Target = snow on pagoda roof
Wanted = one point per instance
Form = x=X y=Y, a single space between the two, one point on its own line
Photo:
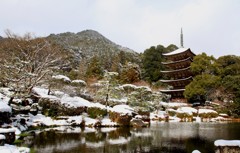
x=177 y=80
x=187 y=68
x=178 y=51
x=172 y=90
x=172 y=62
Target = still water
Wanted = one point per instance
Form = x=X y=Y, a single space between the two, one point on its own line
x=159 y=138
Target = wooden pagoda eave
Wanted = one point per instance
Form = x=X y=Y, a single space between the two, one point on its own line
x=178 y=64
x=178 y=70
x=178 y=83
x=179 y=54
x=189 y=59
x=176 y=80
x=174 y=92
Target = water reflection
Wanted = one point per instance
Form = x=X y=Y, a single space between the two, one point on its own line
x=160 y=137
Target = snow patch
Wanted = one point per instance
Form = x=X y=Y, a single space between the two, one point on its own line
x=172 y=104
x=74 y=101
x=4 y=107
x=107 y=122
x=202 y=111
x=9 y=130
x=227 y=143
x=2 y=137
x=13 y=149
x=122 y=109
x=62 y=77
x=79 y=82
x=187 y=110
x=196 y=151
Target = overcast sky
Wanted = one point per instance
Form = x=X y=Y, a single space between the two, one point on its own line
x=211 y=26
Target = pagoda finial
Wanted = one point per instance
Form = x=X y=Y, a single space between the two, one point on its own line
x=181 y=39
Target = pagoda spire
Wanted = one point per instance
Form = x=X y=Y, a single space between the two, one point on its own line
x=181 y=39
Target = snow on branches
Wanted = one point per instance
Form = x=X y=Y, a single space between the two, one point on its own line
x=26 y=61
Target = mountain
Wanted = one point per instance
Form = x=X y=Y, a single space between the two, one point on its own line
x=87 y=44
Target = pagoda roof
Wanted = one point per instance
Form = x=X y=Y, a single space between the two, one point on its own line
x=178 y=51
x=172 y=90
x=178 y=70
x=179 y=61
x=176 y=80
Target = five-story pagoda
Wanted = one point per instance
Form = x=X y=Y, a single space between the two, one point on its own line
x=178 y=62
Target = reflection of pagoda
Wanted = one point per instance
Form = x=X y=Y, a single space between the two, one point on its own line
x=179 y=72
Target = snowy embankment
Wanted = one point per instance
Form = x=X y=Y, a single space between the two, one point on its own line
x=227 y=146
x=229 y=143
x=175 y=112
x=75 y=102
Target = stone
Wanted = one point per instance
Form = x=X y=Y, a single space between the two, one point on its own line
x=137 y=123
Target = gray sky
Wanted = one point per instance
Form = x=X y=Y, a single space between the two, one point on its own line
x=211 y=26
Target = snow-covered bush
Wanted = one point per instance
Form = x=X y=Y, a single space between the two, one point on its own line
x=78 y=83
x=61 y=78
x=171 y=112
x=207 y=113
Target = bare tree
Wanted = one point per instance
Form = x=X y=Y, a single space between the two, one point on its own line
x=25 y=61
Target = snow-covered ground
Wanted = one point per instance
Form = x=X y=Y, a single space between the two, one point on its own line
x=13 y=149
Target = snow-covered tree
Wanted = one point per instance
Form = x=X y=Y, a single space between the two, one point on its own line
x=25 y=61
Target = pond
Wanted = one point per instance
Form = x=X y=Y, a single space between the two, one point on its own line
x=159 y=138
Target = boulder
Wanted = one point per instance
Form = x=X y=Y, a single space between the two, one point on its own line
x=9 y=134
x=122 y=120
x=137 y=123
x=53 y=107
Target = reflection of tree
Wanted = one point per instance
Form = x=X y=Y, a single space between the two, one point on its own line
x=95 y=136
x=120 y=132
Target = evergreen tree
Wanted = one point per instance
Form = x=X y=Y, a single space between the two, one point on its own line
x=94 y=68
x=151 y=59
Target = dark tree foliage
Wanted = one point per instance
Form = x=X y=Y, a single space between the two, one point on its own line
x=201 y=86
x=151 y=60
x=228 y=65
x=219 y=78
x=94 y=68
x=203 y=63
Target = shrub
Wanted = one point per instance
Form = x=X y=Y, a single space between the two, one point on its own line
x=95 y=112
